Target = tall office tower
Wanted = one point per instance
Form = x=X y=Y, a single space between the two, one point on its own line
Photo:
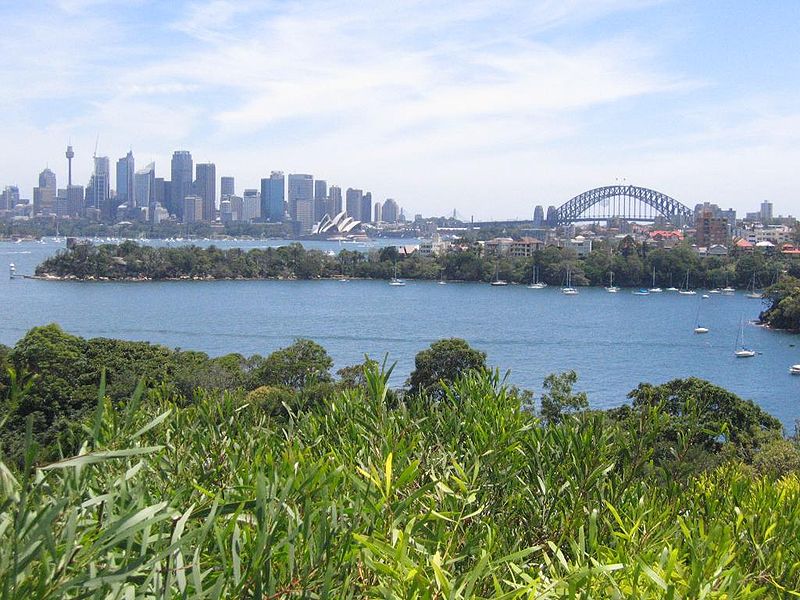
x=320 y=199
x=552 y=216
x=766 y=212
x=70 y=154
x=538 y=216
x=10 y=197
x=378 y=214
x=334 y=200
x=101 y=189
x=272 y=198
x=366 y=208
x=159 y=191
x=304 y=211
x=125 y=174
x=206 y=188
x=390 y=211
x=227 y=187
x=192 y=209
x=75 y=200
x=353 y=203
x=181 y=181
x=237 y=207
x=251 y=206
x=301 y=187
x=44 y=196
x=144 y=189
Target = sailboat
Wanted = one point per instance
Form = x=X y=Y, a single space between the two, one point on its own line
x=794 y=369
x=697 y=327
x=611 y=289
x=742 y=351
x=752 y=293
x=671 y=288
x=535 y=283
x=655 y=289
x=686 y=291
x=394 y=280
x=728 y=290
x=497 y=281
x=568 y=289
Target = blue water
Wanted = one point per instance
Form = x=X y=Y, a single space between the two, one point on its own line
x=613 y=341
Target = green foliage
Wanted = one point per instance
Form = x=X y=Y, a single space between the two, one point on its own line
x=443 y=362
x=777 y=458
x=272 y=400
x=784 y=304
x=468 y=497
x=294 y=367
x=558 y=398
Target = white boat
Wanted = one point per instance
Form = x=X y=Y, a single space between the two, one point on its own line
x=641 y=292
x=394 y=280
x=705 y=296
x=742 y=351
x=535 y=283
x=794 y=369
x=12 y=271
x=715 y=291
x=672 y=289
x=752 y=293
x=497 y=281
x=612 y=289
x=697 y=327
x=654 y=289
x=568 y=290
x=686 y=291
x=728 y=291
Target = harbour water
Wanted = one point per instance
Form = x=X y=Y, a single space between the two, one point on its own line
x=613 y=341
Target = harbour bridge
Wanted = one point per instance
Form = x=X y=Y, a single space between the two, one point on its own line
x=620 y=201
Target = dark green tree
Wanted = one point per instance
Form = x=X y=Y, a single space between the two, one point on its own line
x=294 y=366
x=558 y=399
x=444 y=361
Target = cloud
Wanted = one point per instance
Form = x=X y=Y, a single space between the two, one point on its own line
x=439 y=104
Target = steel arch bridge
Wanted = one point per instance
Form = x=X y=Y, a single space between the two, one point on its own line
x=621 y=201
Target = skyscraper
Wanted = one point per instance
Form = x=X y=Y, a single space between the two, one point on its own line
x=334 y=200
x=181 y=182
x=251 y=205
x=206 y=188
x=227 y=187
x=301 y=187
x=366 y=208
x=390 y=211
x=272 y=197
x=101 y=188
x=125 y=174
x=353 y=203
x=378 y=214
x=144 y=189
x=44 y=196
x=320 y=199
x=766 y=212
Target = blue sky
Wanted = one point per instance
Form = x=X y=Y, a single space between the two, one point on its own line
x=486 y=107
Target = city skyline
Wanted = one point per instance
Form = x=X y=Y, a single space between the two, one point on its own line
x=544 y=100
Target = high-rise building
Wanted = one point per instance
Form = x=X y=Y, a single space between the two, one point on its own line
x=353 y=203
x=711 y=229
x=70 y=154
x=101 y=189
x=272 y=197
x=159 y=190
x=75 y=200
x=366 y=208
x=320 y=199
x=301 y=187
x=205 y=186
x=125 y=176
x=391 y=211
x=334 y=201
x=320 y=189
x=192 y=209
x=144 y=187
x=251 y=206
x=538 y=216
x=227 y=187
x=181 y=182
x=378 y=214
x=10 y=197
x=44 y=196
x=304 y=211
x=766 y=212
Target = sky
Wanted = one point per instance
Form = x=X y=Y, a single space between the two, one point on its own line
x=486 y=108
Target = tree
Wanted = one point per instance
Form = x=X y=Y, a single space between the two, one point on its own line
x=295 y=366
x=558 y=399
x=444 y=361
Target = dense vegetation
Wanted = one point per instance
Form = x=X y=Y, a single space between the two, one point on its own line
x=631 y=263
x=783 y=311
x=457 y=490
